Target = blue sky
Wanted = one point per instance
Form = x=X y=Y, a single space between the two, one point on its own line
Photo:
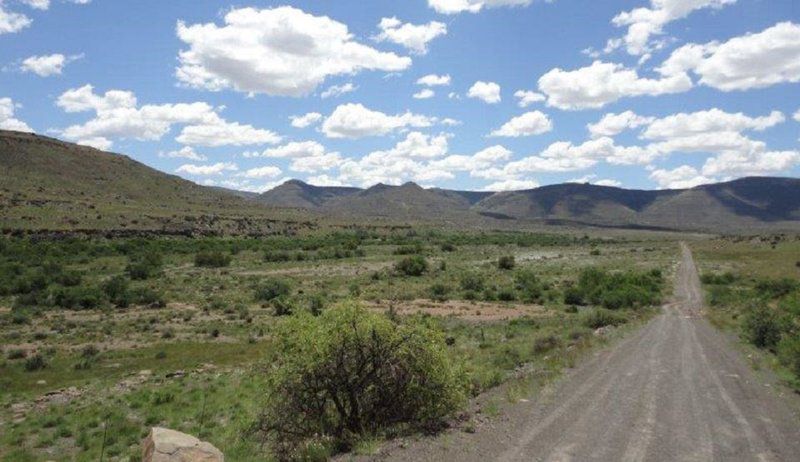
x=636 y=93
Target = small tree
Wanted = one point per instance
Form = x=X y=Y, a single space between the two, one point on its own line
x=350 y=372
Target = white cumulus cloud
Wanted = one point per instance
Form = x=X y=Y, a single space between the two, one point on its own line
x=601 y=83
x=433 y=80
x=425 y=93
x=614 y=124
x=305 y=120
x=488 y=92
x=644 y=23
x=472 y=6
x=528 y=124
x=335 y=91
x=683 y=177
x=527 y=97
x=118 y=115
x=11 y=22
x=356 y=121
x=206 y=170
x=281 y=51
x=268 y=171
x=414 y=37
x=186 y=152
x=759 y=60
x=7 y=118
x=46 y=65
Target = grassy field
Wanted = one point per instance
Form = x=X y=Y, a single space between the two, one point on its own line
x=753 y=289
x=104 y=338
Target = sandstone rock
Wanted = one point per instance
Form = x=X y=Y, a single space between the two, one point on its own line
x=165 y=445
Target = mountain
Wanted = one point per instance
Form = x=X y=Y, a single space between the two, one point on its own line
x=297 y=194
x=747 y=204
x=47 y=184
x=739 y=205
x=408 y=202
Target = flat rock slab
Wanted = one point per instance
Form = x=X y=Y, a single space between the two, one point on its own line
x=165 y=445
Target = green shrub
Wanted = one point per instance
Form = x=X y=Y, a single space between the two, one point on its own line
x=448 y=247
x=415 y=249
x=316 y=304
x=439 y=292
x=506 y=262
x=506 y=294
x=282 y=306
x=16 y=353
x=147 y=297
x=530 y=287
x=412 y=266
x=545 y=344
x=472 y=282
x=776 y=288
x=762 y=327
x=718 y=279
x=276 y=256
x=270 y=289
x=212 y=259
x=77 y=298
x=144 y=266
x=573 y=296
x=594 y=252
x=89 y=351
x=69 y=278
x=598 y=318
x=789 y=353
x=616 y=290
x=351 y=372
x=35 y=363
x=116 y=289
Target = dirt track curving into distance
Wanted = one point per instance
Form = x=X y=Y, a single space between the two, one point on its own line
x=676 y=390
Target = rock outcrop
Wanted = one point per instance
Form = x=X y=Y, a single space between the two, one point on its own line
x=165 y=445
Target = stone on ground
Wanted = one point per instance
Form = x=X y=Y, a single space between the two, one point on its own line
x=165 y=445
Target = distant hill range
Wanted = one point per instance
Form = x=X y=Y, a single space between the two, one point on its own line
x=736 y=206
x=47 y=184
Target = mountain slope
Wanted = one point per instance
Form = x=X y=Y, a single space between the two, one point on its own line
x=297 y=194
x=747 y=203
x=50 y=184
x=408 y=202
x=46 y=184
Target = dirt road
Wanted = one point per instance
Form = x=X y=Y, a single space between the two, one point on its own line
x=676 y=390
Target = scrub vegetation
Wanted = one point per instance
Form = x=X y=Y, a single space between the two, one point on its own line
x=228 y=338
x=753 y=287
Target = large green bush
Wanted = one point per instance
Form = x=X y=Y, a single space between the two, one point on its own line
x=350 y=372
x=616 y=290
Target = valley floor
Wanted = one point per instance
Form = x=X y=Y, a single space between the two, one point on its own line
x=678 y=389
